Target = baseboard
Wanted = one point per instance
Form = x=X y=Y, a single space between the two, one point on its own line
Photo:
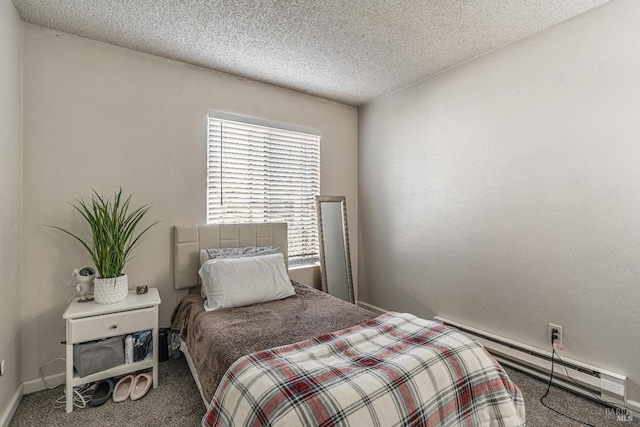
x=38 y=384
x=6 y=417
x=371 y=307
x=577 y=376
x=635 y=408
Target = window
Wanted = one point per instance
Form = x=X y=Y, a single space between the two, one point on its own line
x=258 y=172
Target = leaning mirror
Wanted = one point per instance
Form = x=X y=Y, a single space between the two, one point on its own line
x=333 y=237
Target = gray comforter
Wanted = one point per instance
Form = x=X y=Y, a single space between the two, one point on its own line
x=216 y=339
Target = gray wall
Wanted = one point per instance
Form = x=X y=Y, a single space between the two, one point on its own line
x=505 y=193
x=101 y=116
x=10 y=200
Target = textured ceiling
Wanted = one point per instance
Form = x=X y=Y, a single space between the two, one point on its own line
x=350 y=51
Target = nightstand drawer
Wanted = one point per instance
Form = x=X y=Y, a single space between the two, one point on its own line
x=109 y=325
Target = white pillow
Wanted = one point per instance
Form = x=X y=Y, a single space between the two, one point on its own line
x=249 y=251
x=235 y=282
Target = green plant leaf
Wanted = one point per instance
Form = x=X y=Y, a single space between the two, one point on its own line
x=112 y=227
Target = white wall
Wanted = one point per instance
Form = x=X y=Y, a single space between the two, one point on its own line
x=100 y=116
x=10 y=201
x=505 y=193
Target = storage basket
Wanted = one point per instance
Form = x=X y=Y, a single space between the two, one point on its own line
x=95 y=356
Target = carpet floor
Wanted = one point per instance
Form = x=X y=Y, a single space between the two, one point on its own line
x=177 y=403
x=588 y=411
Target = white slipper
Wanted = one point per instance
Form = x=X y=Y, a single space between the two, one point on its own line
x=123 y=388
x=141 y=385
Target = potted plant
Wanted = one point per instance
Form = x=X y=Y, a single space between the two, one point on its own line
x=113 y=223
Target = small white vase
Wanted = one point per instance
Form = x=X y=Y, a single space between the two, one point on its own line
x=112 y=290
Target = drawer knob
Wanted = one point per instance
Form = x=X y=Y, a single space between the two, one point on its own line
x=114 y=326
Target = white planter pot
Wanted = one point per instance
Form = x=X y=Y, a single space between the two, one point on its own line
x=109 y=291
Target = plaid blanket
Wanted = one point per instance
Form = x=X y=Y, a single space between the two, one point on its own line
x=394 y=370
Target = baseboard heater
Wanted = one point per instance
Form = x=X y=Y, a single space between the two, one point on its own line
x=576 y=376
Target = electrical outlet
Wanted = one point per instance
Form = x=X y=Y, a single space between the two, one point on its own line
x=558 y=330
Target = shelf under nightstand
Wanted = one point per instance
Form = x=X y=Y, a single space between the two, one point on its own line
x=91 y=321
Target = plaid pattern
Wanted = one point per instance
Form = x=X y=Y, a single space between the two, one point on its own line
x=394 y=370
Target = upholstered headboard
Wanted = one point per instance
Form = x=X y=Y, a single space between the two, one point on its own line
x=190 y=239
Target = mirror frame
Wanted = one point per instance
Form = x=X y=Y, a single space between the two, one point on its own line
x=345 y=236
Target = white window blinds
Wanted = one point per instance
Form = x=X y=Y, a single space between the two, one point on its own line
x=259 y=172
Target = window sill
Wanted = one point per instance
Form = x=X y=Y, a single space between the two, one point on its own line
x=303 y=266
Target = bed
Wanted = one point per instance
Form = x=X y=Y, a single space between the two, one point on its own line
x=312 y=359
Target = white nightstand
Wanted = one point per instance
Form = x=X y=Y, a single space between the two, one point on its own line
x=91 y=321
